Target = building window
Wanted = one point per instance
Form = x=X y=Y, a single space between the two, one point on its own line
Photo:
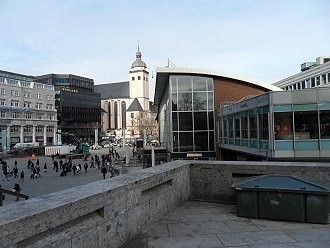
x=132 y=115
x=244 y=123
x=237 y=128
x=2 y=102
x=15 y=115
x=39 y=129
x=253 y=127
x=49 y=106
x=14 y=129
x=2 y=91
x=14 y=92
x=325 y=124
x=27 y=129
x=40 y=116
x=263 y=126
x=27 y=94
x=116 y=114
x=38 y=105
x=50 y=116
x=123 y=114
x=133 y=78
x=39 y=96
x=49 y=97
x=14 y=103
x=27 y=104
x=50 y=129
x=139 y=77
x=283 y=126
x=28 y=115
x=2 y=114
x=306 y=125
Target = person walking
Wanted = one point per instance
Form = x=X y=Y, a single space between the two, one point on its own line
x=22 y=176
x=104 y=171
x=15 y=170
x=45 y=168
x=86 y=167
x=17 y=190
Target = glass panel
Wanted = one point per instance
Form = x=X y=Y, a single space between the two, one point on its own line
x=186 y=141
x=174 y=84
x=184 y=102
x=200 y=121
x=283 y=126
x=263 y=126
x=302 y=107
x=237 y=128
x=174 y=102
x=210 y=84
x=210 y=100
x=283 y=145
x=175 y=121
x=175 y=142
x=199 y=84
x=278 y=108
x=225 y=128
x=184 y=83
x=211 y=141
x=325 y=144
x=325 y=124
x=244 y=124
x=200 y=101
x=211 y=120
x=201 y=141
x=304 y=145
x=306 y=125
x=253 y=126
x=231 y=128
x=185 y=121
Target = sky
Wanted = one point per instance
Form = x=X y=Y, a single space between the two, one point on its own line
x=261 y=39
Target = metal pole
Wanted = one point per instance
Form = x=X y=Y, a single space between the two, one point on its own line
x=152 y=156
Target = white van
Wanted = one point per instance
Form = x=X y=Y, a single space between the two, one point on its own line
x=25 y=145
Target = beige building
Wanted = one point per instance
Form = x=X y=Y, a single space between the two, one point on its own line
x=27 y=110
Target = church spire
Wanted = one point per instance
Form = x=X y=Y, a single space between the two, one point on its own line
x=138 y=53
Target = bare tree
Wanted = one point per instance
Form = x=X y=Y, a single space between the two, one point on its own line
x=144 y=120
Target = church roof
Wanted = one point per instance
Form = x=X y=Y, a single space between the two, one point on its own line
x=135 y=106
x=113 y=90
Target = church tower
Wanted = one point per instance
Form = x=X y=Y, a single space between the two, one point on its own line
x=139 y=81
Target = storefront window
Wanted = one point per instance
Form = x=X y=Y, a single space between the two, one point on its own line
x=263 y=126
x=244 y=124
x=306 y=125
x=325 y=124
x=237 y=128
x=253 y=127
x=283 y=126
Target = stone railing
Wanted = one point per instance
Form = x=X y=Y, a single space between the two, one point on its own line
x=108 y=213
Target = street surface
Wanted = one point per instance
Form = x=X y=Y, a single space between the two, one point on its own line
x=51 y=181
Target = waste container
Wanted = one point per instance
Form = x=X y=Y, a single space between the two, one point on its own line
x=283 y=198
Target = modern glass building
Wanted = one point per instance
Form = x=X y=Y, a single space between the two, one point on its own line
x=78 y=106
x=284 y=126
x=187 y=100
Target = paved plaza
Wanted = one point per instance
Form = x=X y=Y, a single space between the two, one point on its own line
x=211 y=225
x=51 y=181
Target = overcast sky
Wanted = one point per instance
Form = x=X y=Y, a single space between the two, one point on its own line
x=266 y=40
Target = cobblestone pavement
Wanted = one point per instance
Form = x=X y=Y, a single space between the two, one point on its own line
x=51 y=181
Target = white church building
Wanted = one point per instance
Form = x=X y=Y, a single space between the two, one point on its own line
x=126 y=104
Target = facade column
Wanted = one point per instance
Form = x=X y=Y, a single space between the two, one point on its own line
x=21 y=136
x=34 y=133
x=45 y=134
x=55 y=135
x=8 y=136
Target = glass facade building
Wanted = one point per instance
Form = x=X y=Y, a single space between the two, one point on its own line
x=186 y=117
x=290 y=125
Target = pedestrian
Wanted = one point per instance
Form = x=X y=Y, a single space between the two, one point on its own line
x=85 y=167
x=22 y=176
x=45 y=168
x=17 y=190
x=104 y=171
x=74 y=169
x=15 y=170
x=37 y=161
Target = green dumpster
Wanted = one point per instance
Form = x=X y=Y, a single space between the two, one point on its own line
x=283 y=198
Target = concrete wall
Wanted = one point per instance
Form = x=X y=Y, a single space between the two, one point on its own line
x=101 y=214
x=108 y=213
x=211 y=181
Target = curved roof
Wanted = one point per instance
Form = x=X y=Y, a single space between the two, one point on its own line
x=164 y=72
x=138 y=63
